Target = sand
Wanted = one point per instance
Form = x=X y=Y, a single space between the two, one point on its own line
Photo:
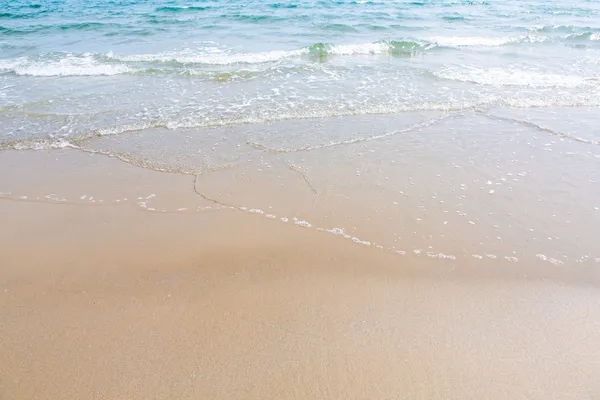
x=138 y=299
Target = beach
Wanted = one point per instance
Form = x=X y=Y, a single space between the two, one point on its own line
x=308 y=200
x=125 y=282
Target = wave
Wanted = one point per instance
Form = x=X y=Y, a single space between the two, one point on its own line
x=184 y=61
x=497 y=41
x=69 y=65
x=485 y=41
x=282 y=5
x=59 y=27
x=7 y=15
x=583 y=36
x=251 y=18
x=386 y=46
x=217 y=56
x=177 y=9
x=338 y=28
x=512 y=77
x=268 y=115
x=453 y=18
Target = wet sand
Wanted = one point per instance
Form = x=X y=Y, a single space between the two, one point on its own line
x=122 y=282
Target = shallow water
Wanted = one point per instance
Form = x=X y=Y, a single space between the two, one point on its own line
x=442 y=128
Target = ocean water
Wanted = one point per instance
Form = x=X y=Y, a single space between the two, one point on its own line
x=70 y=69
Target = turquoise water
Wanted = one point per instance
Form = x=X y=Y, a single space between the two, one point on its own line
x=70 y=69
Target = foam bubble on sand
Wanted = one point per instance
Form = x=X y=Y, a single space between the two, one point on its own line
x=358 y=241
x=441 y=256
x=302 y=223
x=53 y=197
x=336 y=231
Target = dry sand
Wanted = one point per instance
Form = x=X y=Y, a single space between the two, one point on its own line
x=110 y=300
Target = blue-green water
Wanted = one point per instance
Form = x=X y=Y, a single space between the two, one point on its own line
x=73 y=68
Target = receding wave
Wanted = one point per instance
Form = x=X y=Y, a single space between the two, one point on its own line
x=255 y=117
x=512 y=77
x=269 y=114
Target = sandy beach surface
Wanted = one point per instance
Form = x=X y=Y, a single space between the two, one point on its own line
x=120 y=282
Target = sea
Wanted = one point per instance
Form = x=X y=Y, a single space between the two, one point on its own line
x=390 y=111
x=68 y=68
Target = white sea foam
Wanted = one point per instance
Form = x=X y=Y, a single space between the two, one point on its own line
x=336 y=231
x=210 y=57
x=302 y=223
x=137 y=126
x=460 y=41
x=362 y=48
x=39 y=144
x=358 y=241
x=69 y=65
x=218 y=56
x=510 y=77
x=441 y=256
